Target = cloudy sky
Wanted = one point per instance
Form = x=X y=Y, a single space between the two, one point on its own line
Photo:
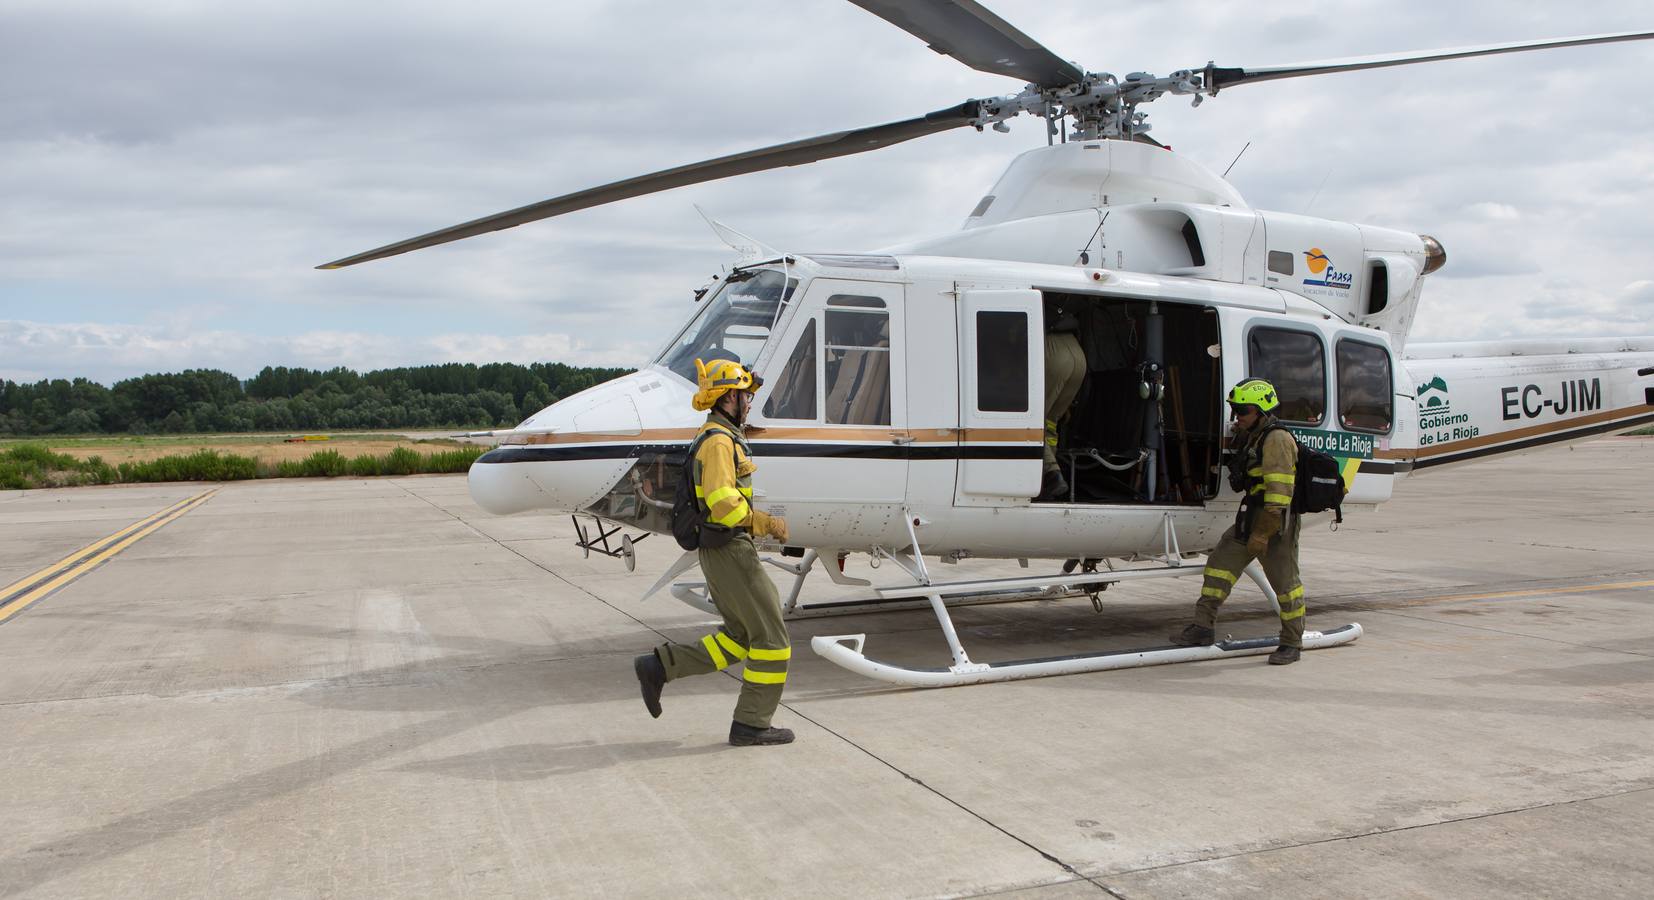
x=172 y=171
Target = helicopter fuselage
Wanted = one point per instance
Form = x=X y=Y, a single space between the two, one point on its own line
x=904 y=390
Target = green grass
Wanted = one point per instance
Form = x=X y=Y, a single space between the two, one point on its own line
x=34 y=465
x=30 y=466
x=166 y=440
x=1644 y=432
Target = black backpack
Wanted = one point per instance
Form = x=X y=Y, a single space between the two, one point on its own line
x=1319 y=486
x=689 y=525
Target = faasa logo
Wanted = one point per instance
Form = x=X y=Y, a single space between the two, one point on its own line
x=1321 y=264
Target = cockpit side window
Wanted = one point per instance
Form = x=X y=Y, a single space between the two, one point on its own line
x=857 y=350
x=734 y=324
x=794 y=394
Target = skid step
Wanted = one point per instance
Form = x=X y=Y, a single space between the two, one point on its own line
x=837 y=649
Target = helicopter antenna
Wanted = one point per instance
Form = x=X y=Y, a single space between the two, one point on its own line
x=1236 y=159
x=1317 y=195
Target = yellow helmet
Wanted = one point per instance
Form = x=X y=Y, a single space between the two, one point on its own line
x=1255 y=392
x=716 y=378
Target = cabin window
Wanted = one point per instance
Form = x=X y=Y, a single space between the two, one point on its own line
x=858 y=366
x=735 y=324
x=1295 y=362
x=1365 y=391
x=794 y=394
x=1002 y=361
x=1280 y=262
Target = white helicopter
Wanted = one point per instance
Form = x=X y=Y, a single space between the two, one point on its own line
x=902 y=413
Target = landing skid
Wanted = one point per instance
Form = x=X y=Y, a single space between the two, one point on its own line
x=838 y=648
x=834 y=649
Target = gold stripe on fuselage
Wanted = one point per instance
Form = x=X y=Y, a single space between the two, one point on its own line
x=763 y=434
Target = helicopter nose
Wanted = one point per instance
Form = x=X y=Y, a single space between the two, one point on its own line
x=564 y=457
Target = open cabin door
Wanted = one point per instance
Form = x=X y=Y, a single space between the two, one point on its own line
x=1001 y=397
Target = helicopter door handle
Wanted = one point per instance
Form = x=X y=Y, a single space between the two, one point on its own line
x=901 y=439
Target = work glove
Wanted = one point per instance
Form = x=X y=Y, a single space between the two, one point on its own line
x=1267 y=525
x=778 y=528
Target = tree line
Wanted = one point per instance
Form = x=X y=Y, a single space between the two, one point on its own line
x=453 y=395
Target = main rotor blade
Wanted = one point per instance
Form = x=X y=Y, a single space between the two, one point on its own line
x=969 y=32
x=808 y=150
x=1219 y=77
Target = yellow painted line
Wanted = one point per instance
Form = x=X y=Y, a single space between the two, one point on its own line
x=58 y=574
x=1537 y=592
x=83 y=552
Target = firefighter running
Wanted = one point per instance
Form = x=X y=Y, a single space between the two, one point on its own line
x=753 y=633
x=1265 y=528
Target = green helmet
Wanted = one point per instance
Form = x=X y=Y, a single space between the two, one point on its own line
x=1255 y=392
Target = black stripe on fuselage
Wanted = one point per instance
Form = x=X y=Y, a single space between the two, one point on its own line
x=766 y=448
x=1540 y=441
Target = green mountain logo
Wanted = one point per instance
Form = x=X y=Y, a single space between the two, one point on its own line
x=1433 y=397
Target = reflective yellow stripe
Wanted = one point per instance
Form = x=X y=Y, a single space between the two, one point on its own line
x=718 y=658
x=734 y=516
x=735 y=650
x=745 y=492
x=1293 y=594
x=700 y=492
x=1256 y=489
x=1289 y=616
x=764 y=677
x=1351 y=467
x=721 y=494
x=1221 y=573
x=1283 y=499
x=1255 y=471
x=760 y=653
x=1219 y=593
x=1276 y=476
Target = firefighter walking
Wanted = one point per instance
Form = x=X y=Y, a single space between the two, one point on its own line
x=753 y=633
x=1265 y=528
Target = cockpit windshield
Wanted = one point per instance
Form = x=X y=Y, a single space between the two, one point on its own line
x=734 y=324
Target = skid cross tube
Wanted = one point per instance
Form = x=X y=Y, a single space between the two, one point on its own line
x=846 y=649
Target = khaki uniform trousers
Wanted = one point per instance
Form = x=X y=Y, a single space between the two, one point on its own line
x=1280 y=568
x=753 y=631
x=1064 y=373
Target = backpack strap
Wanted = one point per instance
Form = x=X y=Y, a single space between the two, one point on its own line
x=695 y=446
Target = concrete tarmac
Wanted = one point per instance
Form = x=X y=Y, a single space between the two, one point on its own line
x=371 y=688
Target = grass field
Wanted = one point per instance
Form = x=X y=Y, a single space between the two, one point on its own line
x=63 y=462
x=265 y=448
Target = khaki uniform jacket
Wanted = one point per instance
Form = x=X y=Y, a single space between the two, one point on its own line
x=723 y=477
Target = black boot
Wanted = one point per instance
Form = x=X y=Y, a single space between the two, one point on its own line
x=651 y=677
x=1194 y=636
x=1284 y=656
x=747 y=736
x=1053 y=487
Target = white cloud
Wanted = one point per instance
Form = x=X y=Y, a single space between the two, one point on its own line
x=178 y=179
